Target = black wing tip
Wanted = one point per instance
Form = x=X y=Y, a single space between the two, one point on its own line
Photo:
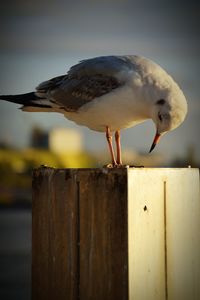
x=24 y=99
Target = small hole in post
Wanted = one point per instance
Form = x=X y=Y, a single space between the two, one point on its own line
x=145 y=208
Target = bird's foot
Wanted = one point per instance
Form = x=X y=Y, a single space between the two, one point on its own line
x=109 y=166
x=121 y=166
x=118 y=166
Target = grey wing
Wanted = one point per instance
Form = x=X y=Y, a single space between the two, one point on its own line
x=84 y=82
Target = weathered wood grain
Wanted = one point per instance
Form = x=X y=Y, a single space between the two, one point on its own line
x=54 y=235
x=80 y=234
x=103 y=235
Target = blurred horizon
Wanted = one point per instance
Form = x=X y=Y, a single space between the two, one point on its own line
x=42 y=40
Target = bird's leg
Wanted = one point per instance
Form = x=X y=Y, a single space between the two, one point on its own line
x=109 y=140
x=118 y=146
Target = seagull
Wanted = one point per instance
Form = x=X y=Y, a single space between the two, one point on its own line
x=110 y=93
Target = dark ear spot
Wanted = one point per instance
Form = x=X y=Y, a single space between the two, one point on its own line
x=161 y=102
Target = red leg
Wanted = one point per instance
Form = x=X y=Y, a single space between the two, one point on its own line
x=109 y=140
x=118 y=145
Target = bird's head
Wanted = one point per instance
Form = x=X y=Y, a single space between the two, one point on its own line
x=168 y=112
x=166 y=103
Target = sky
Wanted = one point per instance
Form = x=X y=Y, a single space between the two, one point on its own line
x=42 y=39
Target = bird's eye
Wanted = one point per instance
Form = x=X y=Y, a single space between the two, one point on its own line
x=160 y=117
x=163 y=116
x=161 y=102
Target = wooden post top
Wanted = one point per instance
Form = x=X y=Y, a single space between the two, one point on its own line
x=126 y=169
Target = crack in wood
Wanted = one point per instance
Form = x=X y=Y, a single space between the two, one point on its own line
x=78 y=240
x=165 y=240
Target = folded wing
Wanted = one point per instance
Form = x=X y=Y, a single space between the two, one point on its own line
x=83 y=83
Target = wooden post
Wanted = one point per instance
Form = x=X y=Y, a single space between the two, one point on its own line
x=105 y=234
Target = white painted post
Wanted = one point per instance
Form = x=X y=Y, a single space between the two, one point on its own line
x=164 y=234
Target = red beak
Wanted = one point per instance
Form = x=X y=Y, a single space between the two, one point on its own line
x=155 y=141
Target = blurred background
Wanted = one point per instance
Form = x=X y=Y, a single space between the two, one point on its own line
x=41 y=40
